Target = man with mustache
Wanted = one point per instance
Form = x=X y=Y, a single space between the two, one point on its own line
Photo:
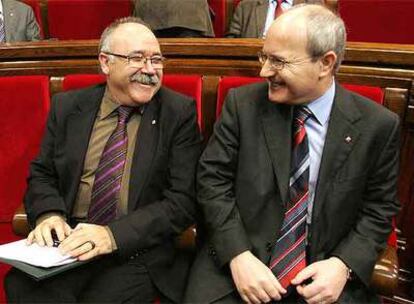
x=114 y=181
x=298 y=182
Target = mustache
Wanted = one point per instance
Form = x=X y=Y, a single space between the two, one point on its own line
x=145 y=79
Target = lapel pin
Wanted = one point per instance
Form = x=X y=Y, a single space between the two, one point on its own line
x=153 y=122
x=348 y=139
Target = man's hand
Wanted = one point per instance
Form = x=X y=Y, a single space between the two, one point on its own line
x=45 y=224
x=329 y=278
x=255 y=282
x=87 y=241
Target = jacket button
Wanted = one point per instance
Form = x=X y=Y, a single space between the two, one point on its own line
x=211 y=251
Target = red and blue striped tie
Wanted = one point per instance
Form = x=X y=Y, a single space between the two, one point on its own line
x=107 y=185
x=289 y=253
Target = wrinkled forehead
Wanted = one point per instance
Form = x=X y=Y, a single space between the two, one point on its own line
x=131 y=38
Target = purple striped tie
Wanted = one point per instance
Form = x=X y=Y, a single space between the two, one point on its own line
x=289 y=253
x=107 y=185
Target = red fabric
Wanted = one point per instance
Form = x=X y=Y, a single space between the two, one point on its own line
x=235 y=3
x=227 y=83
x=84 y=19
x=36 y=9
x=388 y=21
x=219 y=16
x=6 y=236
x=374 y=93
x=24 y=103
x=189 y=85
x=78 y=81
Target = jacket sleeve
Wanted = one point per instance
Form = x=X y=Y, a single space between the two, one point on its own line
x=360 y=248
x=32 y=28
x=42 y=194
x=216 y=187
x=235 y=28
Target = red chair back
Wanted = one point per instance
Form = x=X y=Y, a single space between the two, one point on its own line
x=387 y=21
x=84 y=19
x=189 y=85
x=35 y=5
x=374 y=93
x=219 y=9
x=229 y=82
x=22 y=127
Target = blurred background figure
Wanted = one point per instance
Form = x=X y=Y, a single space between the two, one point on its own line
x=176 y=18
x=17 y=22
x=252 y=18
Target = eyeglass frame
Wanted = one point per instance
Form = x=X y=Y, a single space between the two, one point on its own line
x=263 y=58
x=143 y=59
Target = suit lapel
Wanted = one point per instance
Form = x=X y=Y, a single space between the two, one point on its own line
x=341 y=137
x=260 y=15
x=277 y=121
x=79 y=128
x=144 y=152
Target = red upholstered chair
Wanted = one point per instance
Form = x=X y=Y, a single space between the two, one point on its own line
x=189 y=85
x=229 y=82
x=24 y=104
x=388 y=21
x=219 y=8
x=35 y=4
x=84 y=19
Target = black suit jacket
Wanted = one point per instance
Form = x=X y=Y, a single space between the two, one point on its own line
x=243 y=185
x=161 y=191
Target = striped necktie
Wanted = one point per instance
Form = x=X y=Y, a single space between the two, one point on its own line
x=2 y=29
x=107 y=185
x=279 y=9
x=289 y=253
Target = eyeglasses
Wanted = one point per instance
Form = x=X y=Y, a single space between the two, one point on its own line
x=278 y=63
x=138 y=61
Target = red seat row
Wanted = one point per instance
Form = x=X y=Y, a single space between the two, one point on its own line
x=22 y=127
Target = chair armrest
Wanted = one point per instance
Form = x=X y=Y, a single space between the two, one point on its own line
x=20 y=224
x=385 y=276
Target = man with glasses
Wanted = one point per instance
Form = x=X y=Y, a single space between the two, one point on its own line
x=298 y=182
x=114 y=181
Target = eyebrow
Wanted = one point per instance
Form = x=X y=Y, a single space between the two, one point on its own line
x=143 y=53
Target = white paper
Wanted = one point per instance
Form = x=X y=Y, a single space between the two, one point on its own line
x=34 y=254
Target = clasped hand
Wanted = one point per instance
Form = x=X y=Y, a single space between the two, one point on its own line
x=256 y=283
x=83 y=242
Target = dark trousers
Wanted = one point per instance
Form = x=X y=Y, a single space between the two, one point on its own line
x=105 y=280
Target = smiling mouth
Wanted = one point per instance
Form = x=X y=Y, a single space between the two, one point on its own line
x=276 y=84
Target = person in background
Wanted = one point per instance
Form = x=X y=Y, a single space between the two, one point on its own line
x=298 y=183
x=114 y=180
x=176 y=18
x=17 y=22
x=252 y=18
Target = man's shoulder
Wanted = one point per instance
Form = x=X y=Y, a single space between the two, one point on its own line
x=173 y=99
x=73 y=98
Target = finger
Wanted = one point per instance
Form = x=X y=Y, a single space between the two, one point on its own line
x=263 y=296
x=316 y=299
x=253 y=299
x=47 y=235
x=88 y=255
x=60 y=231
x=272 y=291
x=83 y=249
x=244 y=297
x=67 y=229
x=30 y=238
x=71 y=242
x=306 y=273
x=309 y=291
x=38 y=237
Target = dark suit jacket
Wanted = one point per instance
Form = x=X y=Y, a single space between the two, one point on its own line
x=189 y=14
x=161 y=192
x=249 y=18
x=20 y=22
x=243 y=185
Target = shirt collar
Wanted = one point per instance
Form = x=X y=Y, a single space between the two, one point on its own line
x=109 y=105
x=290 y=2
x=1 y=9
x=321 y=107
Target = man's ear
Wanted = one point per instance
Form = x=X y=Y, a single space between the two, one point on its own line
x=327 y=63
x=104 y=62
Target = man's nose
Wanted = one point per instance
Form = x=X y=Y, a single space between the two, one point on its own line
x=266 y=71
x=148 y=68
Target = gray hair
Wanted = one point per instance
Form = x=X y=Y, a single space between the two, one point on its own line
x=325 y=32
x=104 y=43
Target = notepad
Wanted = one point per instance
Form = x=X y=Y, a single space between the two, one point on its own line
x=34 y=254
